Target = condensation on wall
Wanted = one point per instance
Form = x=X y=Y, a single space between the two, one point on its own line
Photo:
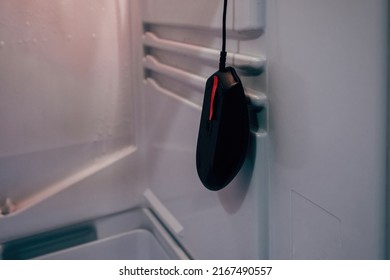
x=65 y=100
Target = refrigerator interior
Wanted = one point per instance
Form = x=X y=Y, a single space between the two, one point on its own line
x=100 y=103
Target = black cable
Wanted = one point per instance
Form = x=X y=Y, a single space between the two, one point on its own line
x=224 y=26
x=222 y=60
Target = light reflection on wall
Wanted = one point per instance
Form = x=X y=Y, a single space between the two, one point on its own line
x=65 y=88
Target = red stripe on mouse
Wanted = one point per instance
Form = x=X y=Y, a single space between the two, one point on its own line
x=215 y=86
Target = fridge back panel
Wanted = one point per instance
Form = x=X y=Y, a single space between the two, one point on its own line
x=181 y=41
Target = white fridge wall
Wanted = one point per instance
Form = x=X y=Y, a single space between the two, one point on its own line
x=232 y=223
x=78 y=85
x=66 y=106
x=70 y=98
x=205 y=14
x=327 y=89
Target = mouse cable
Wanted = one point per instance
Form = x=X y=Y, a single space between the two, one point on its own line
x=222 y=59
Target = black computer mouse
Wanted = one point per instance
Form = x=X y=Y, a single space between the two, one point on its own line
x=224 y=130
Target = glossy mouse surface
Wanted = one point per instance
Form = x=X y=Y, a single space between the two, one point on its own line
x=224 y=130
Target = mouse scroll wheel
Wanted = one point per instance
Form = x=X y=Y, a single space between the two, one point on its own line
x=215 y=86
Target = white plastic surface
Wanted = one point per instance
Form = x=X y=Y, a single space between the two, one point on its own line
x=327 y=91
x=66 y=104
x=228 y=224
x=73 y=89
x=205 y=14
x=216 y=225
x=135 y=234
x=136 y=245
x=252 y=65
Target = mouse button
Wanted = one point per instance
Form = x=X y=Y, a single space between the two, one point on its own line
x=212 y=98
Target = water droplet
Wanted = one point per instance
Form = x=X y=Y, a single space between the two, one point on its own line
x=28 y=23
x=93 y=35
x=7 y=207
x=69 y=37
x=2 y=44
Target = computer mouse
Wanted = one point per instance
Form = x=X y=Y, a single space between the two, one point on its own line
x=224 y=130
